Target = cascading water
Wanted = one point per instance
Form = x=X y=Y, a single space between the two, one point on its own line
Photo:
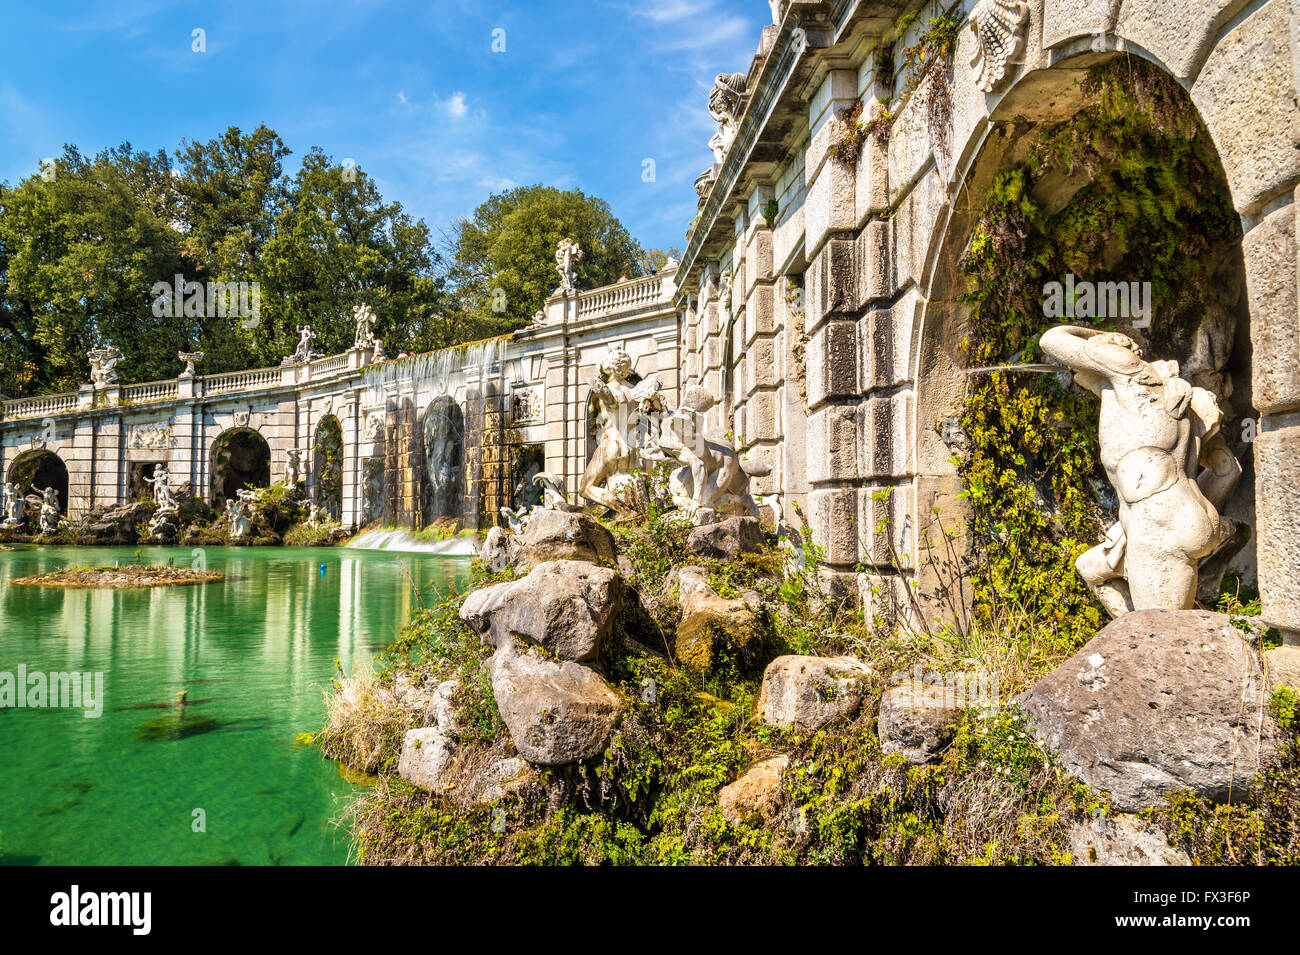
x=426 y=470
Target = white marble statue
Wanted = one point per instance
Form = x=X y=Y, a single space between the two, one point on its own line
x=567 y=255
x=303 y=353
x=14 y=505
x=241 y=526
x=553 y=495
x=365 y=321
x=516 y=519
x=168 y=512
x=725 y=101
x=103 y=366
x=293 y=468
x=49 y=511
x=1169 y=466
x=613 y=478
x=162 y=492
x=711 y=480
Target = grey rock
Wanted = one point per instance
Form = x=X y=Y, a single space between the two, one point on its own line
x=708 y=619
x=727 y=539
x=428 y=759
x=806 y=693
x=497 y=780
x=916 y=720
x=557 y=712
x=1160 y=700
x=567 y=607
x=553 y=534
x=1122 y=840
x=1283 y=667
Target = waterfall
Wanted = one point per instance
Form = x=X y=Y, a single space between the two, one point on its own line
x=428 y=467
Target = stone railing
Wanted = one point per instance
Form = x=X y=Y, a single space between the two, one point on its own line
x=40 y=406
x=149 y=391
x=241 y=381
x=625 y=296
x=328 y=366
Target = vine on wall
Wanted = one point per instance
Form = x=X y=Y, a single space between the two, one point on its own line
x=1153 y=207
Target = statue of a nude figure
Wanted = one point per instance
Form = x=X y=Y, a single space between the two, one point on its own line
x=615 y=458
x=1170 y=467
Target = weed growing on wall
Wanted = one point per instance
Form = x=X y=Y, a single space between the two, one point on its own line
x=1149 y=203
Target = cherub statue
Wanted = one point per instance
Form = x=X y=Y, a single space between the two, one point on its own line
x=1157 y=431
x=567 y=254
x=613 y=470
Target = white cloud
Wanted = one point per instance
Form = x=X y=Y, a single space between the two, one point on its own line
x=456 y=105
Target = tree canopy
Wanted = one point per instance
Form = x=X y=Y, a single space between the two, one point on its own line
x=87 y=243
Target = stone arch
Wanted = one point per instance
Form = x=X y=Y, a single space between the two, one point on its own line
x=443 y=432
x=1214 y=350
x=327 y=462
x=35 y=470
x=240 y=458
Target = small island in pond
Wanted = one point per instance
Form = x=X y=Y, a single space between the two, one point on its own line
x=132 y=575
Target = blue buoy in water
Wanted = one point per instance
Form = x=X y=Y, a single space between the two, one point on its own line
x=322 y=570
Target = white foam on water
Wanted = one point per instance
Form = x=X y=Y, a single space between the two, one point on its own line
x=406 y=542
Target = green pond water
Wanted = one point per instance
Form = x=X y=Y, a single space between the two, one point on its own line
x=259 y=647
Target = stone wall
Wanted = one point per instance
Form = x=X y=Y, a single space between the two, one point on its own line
x=856 y=437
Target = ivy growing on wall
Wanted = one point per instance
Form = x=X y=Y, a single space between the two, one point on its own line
x=1152 y=207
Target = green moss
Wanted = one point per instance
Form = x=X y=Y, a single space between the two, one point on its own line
x=1152 y=208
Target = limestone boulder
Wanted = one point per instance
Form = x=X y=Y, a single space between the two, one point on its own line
x=917 y=720
x=727 y=539
x=500 y=778
x=428 y=760
x=558 y=712
x=567 y=607
x=711 y=623
x=806 y=693
x=755 y=797
x=1158 y=701
x=1282 y=665
x=553 y=534
x=1122 y=840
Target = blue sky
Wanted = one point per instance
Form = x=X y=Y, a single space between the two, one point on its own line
x=585 y=91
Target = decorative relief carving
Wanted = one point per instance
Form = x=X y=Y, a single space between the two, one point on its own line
x=153 y=438
x=999 y=27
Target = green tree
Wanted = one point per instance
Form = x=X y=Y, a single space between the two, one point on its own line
x=509 y=243
x=79 y=250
